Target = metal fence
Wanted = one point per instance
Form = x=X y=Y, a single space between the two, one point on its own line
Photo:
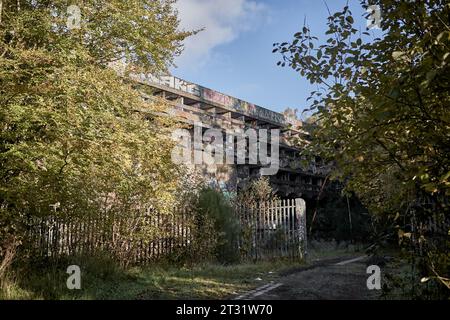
x=273 y=229
x=268 y=230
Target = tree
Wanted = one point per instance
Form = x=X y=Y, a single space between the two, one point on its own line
x=77 y=139
x=382 y=109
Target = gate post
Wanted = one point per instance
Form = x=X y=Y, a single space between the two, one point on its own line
x=300 y=212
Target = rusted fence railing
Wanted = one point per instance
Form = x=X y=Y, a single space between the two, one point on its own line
x=63 y=236
x=268 y=230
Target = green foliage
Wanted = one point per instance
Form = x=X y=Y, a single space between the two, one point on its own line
x=382 y=111
x=255 y=192
x=73 y=143
x=104 y=279
x=145 y=33
x=40 y=279
x=338 y=217
x=214 y=207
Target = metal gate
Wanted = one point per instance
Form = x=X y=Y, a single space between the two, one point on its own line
x=273 y=229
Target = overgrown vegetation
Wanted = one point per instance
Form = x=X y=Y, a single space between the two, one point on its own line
x=339 y=217
x=218 y=232
x=103 y=279
x=77 y=140
x=382 y=115
x=214 y=207
x=79 y=143
x=255 y=193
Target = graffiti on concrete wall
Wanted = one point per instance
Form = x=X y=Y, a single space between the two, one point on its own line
x=213 y=96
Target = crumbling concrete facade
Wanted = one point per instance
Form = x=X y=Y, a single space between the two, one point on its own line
x=194 y=104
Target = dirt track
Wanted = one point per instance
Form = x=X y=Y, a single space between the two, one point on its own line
x=322 y=280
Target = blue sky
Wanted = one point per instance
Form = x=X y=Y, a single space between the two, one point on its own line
x=234 y=55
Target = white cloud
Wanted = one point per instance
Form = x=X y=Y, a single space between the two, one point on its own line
x=222 y=20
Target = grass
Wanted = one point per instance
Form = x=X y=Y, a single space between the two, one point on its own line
x=319 y=250
x=103 y=281
x=101 y=278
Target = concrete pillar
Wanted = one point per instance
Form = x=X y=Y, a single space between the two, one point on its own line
x=300 y=211
x=211 y=110
x=226 y=115
x=180 y=100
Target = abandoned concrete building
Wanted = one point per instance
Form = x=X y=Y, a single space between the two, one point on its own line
x=195 y=104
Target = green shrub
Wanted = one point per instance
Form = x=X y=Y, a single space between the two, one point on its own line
x=214 y=207
x=43 y=278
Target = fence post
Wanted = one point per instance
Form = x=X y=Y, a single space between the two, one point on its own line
x=300 y=211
